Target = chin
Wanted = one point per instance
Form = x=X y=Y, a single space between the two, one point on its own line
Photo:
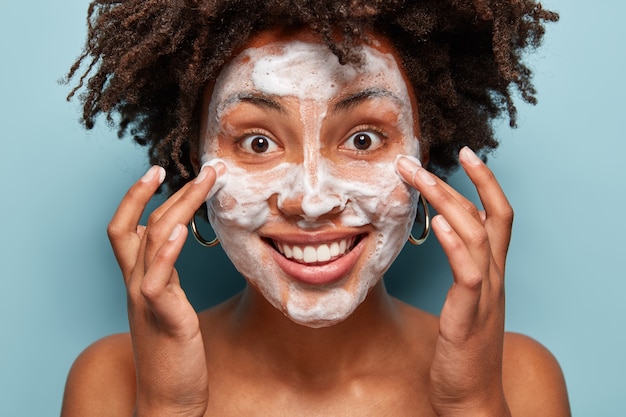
x=324 y=309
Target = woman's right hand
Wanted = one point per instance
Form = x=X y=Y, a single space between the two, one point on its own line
x=167 y=343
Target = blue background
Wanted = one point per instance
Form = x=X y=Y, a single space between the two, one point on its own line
x=60 y=288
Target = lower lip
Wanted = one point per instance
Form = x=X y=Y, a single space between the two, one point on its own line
x=320 y=274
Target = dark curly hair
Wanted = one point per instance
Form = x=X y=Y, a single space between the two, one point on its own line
x=148 y=61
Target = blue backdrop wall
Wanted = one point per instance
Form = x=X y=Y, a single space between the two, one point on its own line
x=60 y=288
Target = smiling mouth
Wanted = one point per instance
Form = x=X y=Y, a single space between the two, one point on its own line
x=315 y=254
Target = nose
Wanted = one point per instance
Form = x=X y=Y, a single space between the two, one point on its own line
x=310 y=207
x=311 y=195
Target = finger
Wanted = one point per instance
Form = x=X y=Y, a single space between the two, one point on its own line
x=153 y=220
x=122 y=229
x=499 y=213
x=158 y=212
x=219 y=168
x=462 y=303
x=179 y=210
x=407 y=170
x=160 y=286
x=467 y=224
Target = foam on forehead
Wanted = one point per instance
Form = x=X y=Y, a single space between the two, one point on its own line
x=303 y=70
x=308 y=71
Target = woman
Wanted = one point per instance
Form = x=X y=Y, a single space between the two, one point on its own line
x=307 y=125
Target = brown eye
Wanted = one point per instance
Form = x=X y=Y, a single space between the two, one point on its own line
x=363 y=141
x=258 y=144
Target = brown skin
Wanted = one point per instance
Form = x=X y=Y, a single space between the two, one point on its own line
x=244 y=357
x=102 y=380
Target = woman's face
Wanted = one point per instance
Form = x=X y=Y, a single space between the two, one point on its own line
x=311 y=210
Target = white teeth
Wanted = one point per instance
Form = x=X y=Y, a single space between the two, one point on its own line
x=310 y=254
x=342 y=246
x=314 y=254
x=323 y=253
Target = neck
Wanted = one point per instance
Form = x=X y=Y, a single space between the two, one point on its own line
x=324 y=354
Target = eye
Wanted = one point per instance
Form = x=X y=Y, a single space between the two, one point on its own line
x=258 y=144
x=364 y=141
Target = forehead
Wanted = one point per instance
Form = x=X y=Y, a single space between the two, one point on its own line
x=302 y=66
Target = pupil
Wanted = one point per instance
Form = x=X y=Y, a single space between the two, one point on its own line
x=260 y=144
x=362 y=141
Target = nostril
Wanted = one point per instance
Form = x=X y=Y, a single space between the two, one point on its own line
x=291 y=206
x=319 y=205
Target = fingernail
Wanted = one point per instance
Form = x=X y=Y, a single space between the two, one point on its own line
x=443 y=223
x=217 y=164
x=175 y=232
x=201 y=176
x=469 y=156
x=407 y=163
x=150 y=174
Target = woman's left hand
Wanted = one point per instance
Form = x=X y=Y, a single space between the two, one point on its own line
x=466 y=371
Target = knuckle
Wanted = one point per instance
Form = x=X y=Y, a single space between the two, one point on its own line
x=153 y=232
x=507 y=214
x=455 y=245
x=114 y=231
x=471 y=209
x=153 y=219
x=473 y=281
x=148 y=290
x=162 y=257
x=479 y=236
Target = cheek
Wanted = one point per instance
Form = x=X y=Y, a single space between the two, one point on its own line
x=242 y=201
x=375 y=195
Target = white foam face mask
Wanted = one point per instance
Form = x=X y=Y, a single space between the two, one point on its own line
x=356 y=194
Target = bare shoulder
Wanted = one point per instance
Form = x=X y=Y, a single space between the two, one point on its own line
x=533 y=381
x=101 y=381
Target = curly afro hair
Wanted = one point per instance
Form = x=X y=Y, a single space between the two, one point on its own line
x=147 y=62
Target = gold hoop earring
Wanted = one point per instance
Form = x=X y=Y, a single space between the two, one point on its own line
x=426 y=231
x=199 y=238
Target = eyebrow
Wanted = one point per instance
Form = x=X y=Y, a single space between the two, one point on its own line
x=254 y=98
x=364 y=95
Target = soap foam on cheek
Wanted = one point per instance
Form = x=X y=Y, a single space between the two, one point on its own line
x=237 y=211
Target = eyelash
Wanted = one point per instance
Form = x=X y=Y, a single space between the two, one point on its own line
x=367 y=129
x=239 y=140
